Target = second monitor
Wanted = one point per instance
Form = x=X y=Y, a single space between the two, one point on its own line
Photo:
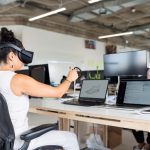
x=40 y=73
x=131 y=63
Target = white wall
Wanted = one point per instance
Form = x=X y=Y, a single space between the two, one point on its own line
x=49 y=45
x=123 y=49
x=60 y=47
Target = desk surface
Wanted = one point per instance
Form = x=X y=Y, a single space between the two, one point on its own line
x=95 y=114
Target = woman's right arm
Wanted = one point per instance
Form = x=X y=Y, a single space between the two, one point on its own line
x=22 y=84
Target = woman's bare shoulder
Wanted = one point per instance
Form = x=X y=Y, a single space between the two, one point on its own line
x=21 y=78
x=17 y=83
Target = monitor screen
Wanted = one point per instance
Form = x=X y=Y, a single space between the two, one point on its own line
x=40 y=73
x=135 y=92
x=133 y=63
x=94 y=89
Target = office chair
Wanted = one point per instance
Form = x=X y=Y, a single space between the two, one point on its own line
x=7 y=135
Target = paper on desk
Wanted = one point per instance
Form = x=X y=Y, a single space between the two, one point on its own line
x=111 y=99
x=65 y=99
x=144 y=110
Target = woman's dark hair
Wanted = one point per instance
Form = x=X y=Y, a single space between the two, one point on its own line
x=7 y=36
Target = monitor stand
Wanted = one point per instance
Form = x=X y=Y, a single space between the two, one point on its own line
x=75 y=93
x=117 y=86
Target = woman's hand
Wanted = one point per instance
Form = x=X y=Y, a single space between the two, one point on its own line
x=72 y=75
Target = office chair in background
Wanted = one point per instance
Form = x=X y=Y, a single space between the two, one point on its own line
x=7 y=135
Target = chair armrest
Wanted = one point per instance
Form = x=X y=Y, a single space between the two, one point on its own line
x=38 y=131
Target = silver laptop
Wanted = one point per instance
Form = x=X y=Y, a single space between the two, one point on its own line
x=93 y=92
x=134 y=93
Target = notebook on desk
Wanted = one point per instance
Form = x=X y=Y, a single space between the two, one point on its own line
x=133 y=93
x=93 y=92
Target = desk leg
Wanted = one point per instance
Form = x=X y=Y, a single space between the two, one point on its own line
x=64 y=124
x=105 y=135
x=76 y=128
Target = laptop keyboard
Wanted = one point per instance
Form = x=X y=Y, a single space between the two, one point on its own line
x=76 y=102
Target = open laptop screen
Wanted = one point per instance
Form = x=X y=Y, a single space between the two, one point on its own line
x=93 y=90
x=134 y=92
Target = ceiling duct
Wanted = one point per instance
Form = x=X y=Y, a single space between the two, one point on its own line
x=103 y=8
x=134 y=2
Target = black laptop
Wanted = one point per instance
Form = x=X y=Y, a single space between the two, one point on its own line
x=134 y=93
x=93 y=92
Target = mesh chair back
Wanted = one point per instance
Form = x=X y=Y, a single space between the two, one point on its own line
x=7 y=134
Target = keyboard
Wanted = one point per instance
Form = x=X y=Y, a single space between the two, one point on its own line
x=76 y=102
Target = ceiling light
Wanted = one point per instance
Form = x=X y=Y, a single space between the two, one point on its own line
x=114 y=35
x=47 y=14
x=93 y=1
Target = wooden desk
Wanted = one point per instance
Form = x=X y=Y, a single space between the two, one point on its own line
x=95 y=114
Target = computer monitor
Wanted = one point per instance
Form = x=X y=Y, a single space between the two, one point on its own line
x=132 y=63
x=23 y=71
x=112 y=79
x=40 y=73
x=89 y=74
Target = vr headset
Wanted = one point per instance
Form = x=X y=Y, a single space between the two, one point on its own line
x=24 y=55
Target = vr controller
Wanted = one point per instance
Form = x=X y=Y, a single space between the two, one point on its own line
x=79 y=71
x=25 y=56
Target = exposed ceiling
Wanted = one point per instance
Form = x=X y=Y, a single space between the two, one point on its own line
x=85 y=20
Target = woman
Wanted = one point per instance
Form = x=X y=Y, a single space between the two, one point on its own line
x=17 y=87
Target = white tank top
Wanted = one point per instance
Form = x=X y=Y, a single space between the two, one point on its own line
x=18 y=105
